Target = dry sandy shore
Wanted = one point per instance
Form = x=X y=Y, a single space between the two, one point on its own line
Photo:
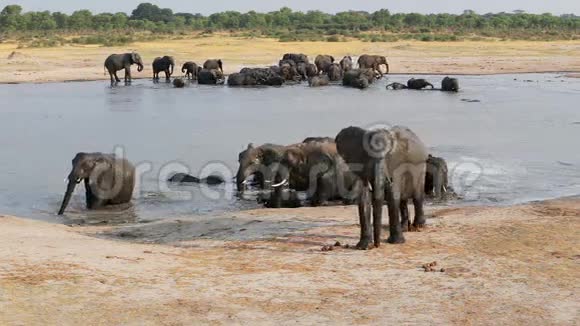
x=491 y=57
x=513 y=265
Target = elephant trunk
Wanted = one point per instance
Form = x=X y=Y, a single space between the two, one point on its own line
x=386 y=64
x=183 y=69
x=172 y=66
x=139 y=67
x=67 y=195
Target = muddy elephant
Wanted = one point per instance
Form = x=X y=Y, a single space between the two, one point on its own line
x=288 y=71
x=212 y=64
x=373 y=62
x=210 y=77
x=191 y=69
x=346 y=63
x=315 y=167
x=418 y=84
x=396 y=86
x=318 y=81
x=108 y=180
x=450 y=84
x=358 y=78
x=322 y=61
x=258 y=162
x=116 y=62
x=165 y=64
x=178 y=83
x=296 y=57
x=186 y=178
x=306 y=70
x=392 y=165
x=334 y=72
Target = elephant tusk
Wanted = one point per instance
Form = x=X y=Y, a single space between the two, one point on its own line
x=79 y=180
x=444 y=189
x=283 y=183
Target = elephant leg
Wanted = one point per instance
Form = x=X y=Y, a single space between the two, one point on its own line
x=127 y=75
x=419 y=220
x=404 y=208
x=364 y=214
x=393 y=200
x=167 y=74
x=112 y=77
x=92 y=201
x=117 y=79
x=323 y=191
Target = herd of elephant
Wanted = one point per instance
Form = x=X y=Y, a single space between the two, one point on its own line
x=366 y=167
x=293 y=67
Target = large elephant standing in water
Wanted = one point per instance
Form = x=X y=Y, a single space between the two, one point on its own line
x=108 y=180
x=322 y=61
x=391 y=164
x=165 y=64
x=116 y=62
x=210 y=77
x=374 y=62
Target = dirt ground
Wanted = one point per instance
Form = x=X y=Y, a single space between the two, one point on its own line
x=502 y=265
x=455 y=58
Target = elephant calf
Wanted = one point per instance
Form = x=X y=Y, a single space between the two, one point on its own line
x=418 y=84
x=108 y=180
x=397 y=86
x=165 y=64
x=178 y=83
x=358 y=78
x=210 y=77
x=191 y=69
x=322 y=61
x=346 y=63
x=317 y=81
x=450 y=85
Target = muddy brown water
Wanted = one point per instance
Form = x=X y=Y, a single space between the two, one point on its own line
x=508 y=138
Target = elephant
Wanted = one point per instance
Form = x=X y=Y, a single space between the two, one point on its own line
x=214 y=64
x=191 y=69
x=178 y=83
x=397 y=86
x=334 y=72
x=317 y=168
x=258 y=162
x=450 y=84
x=436 y=178
x=255 y=77
x=346 y=63
x=322 y=61
x=108 y=180
x=392 y=165
x=318 y=140
x=358 y=78
x=318 y=81
x=307 y=70
x=241 y=79
x=186 y=178
x=418 y=84
x=296 y=57
x=210 y=77
x=288 y=71
x=165 y=64
x=116 y=62
x=374 y=62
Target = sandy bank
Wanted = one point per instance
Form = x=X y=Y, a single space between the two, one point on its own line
x=412 y=57
x=513 y=265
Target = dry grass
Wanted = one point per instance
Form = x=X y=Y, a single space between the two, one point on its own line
x=85 y=62
x=513 y=265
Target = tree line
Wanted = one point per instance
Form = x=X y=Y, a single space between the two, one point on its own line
x=152 y=18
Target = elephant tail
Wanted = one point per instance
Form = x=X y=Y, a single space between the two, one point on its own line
x=104 y=70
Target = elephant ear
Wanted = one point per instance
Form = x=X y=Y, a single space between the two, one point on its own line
x=332 y=58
